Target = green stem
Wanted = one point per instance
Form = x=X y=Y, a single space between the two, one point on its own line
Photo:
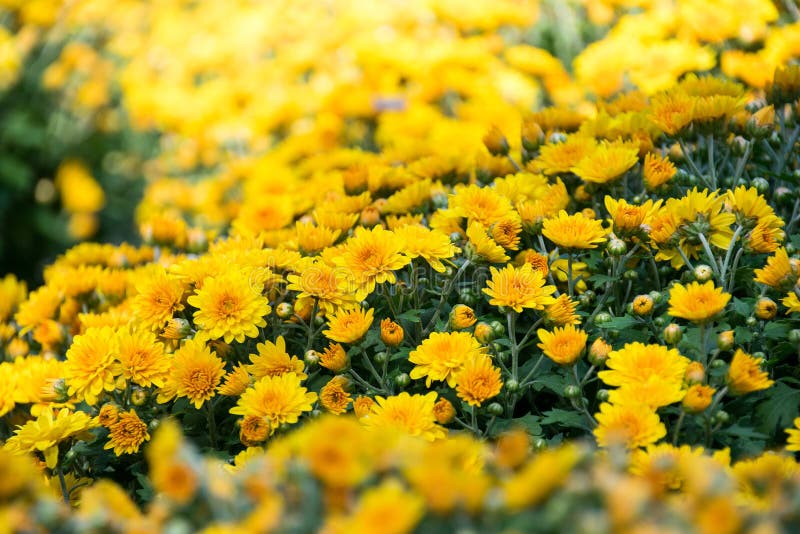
x=711 y=258
x=712 y=164
x=569 y=274
x=677 y=430
x=443 y=298
x=212 y=423
x=511 y=319
x=63 y=482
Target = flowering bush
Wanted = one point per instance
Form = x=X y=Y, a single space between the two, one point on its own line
x=385 y=295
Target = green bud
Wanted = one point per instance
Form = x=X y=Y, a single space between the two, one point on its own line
x=495 y=409
x=794 y=336
x=380 y=357
x=572 y=392
x=703 y=273
x=402 y=380
x=602 y=395
x=512 y=385
x=602 y=318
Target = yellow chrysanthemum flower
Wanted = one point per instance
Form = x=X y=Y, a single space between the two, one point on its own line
x=431 y=245
x=280 y=399
x=745 y=374
x=89 y=368
x=273 y=360
x=478 y=204
x=628 y=425
x=484 y=246
x=637 y=362
x=44 y=433
x=230 y=307
x=158 y=298
x=442 y=355
x=372 y=255
x=411 y=414
x=140 y=358
x=196 y=372
x=629 y=218
x=387 y=507
x=478 y=380
x=781 y=272
x=607 y=162
x=557 y=158
x=330 y=286
x=574 y=232
x=663 y=466
x=793 y=441
x=127 y=434
x=349 y=326
x=653 y=392
x=762 y=480
x=542 y=475
x=518 y=288
x=563 y=345
x=697 y=302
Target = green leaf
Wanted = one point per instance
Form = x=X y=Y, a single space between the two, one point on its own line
x=411 y=316
x=620 y=323
x=554 y=383
x=779 y=409
x=14 y=173
x=741 y=307
x=529 y=422
x=564 y=418
x=742 y=334
x=776 y=330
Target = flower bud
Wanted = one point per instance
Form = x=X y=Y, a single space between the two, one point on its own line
x=495 y=409
x=642 y=305
x=370 y=216
x=703 y=273
x=532 y=135
x=602 y=318
x=602 y=395
x=794 y=336
x=402 y=380
x=138 y=396
x=616 y=247
x=761 y=184
x=572 y=392
x=334 y=358
x=512 y=385
x=725 y=340
x=720 y=418
x=766 y=309
x=751 y=321
x=311 y=358
x=176 y=328
x=495 y=142
x=484 y=332
x=695 y=373
x=363 y=405
x=598 y=352
x=391 y=333
x=657 y=296
x=498 y=328
x=672 y=334
x=284 y=310
x=443 y=411
x=461 y=317
x=698 y=397
x=380 y=357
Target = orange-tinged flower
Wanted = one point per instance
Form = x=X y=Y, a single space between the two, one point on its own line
x=89 y=369
x=363 y=406
x=506 y=232
x=628 y=425
x=697 y=303
x=334 y=396
x=574 y=232
x=229 y=307
x=444 y=411
x=391 y=333
x=196 y=372
x=563 y=345
x=518 y=288
x=745 y=374
x=280 y=399
x=236 y=382
x=629 y=218
x=334 y=358
x=442 y=356
x=127 y=434
x=698 y=398
x=478 y=380
x=349 y=326
x=657 y=171
x=411 y=414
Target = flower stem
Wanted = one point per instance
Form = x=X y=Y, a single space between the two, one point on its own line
x=212 y=423
x=677 y=430
x=63 y=482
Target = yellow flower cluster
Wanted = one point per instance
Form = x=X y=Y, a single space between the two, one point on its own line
x=394 y=297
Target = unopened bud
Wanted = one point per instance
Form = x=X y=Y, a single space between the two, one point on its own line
x=495 y=142
x=598 y=352
x=643 y=305
x=284 y=310
x=703 y=273
x=672 y=334
x=484 y=333
x=766 y=309
x=725 y=340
